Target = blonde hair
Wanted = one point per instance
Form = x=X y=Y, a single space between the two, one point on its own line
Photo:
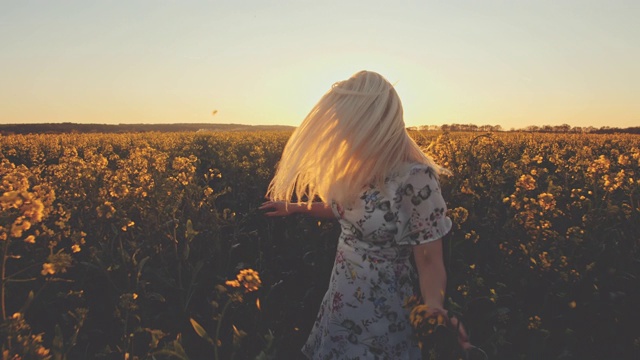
x=353 y=137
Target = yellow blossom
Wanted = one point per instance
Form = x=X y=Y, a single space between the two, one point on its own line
x=546 y=201
x=48 y=269
x=425 y=320
x=623 y=160
x=534 y=322
x=249 y=279
x=526 y=182
x=232 y=283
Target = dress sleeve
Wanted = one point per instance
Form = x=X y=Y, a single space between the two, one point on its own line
x=421 y=210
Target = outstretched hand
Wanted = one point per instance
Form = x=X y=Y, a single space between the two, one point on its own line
x=283 y=208
x=277 y=208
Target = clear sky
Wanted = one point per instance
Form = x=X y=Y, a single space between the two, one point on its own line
x=513 y=63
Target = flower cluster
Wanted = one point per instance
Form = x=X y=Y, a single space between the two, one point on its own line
x=247 y=278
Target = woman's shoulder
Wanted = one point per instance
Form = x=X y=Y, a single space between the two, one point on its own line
x=412 y=169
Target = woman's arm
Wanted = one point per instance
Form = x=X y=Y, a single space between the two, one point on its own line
x=431 y=273
x=281 y=208
x=433 y=282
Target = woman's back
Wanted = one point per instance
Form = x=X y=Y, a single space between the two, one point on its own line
x=365 y=311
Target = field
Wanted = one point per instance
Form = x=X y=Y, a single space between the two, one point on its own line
x=141 y=246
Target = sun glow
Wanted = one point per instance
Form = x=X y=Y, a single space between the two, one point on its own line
x=492 y=62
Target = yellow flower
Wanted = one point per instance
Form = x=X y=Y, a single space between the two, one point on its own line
x=48 y=269
x=459 y=215
x=106 y=210
x=232 y=283
x=75 y=248
x=493 y=296
x=526 y=182
x=42 y=351
x=534 y=322
x=30 y=239
x=623 y=160
x=18 y=226
x=425 y=320
x=546 y=201
x=249 y=279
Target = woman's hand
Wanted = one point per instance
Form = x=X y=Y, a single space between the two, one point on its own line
x=433 y=282
x=453 y=324
x=463 y=338
x=278 y=208
x=282 y=208
x=425 y=319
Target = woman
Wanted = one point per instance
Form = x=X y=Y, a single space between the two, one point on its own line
x=353 y=154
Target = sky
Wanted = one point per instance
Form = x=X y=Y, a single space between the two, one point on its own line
x=267 y=62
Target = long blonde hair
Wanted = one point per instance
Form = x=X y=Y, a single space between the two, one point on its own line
x=353 y=137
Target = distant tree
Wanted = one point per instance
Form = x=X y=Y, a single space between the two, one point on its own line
x=564 y=128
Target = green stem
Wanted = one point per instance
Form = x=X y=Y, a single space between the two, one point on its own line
x=217 y=336
x=126 y=336
x=178 y=257
x=23 y=270
x=3 y=272
x=21 y=280
x=5 y=251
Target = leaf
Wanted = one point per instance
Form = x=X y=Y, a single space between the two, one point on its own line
x=155 y=296
x=156 y=335
x=190 y=233
x=186 y=251
x=200 y=331
x=27 y=302
x=196 y=271
x=141 y=265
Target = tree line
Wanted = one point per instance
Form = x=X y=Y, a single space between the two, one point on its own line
x=563 y=129
x=67 y=128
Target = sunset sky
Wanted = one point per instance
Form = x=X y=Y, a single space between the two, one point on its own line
x=509 y=63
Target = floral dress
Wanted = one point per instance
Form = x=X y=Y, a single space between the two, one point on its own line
x=364 y=314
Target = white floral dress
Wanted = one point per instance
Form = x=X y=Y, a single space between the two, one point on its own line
x=363 y=314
